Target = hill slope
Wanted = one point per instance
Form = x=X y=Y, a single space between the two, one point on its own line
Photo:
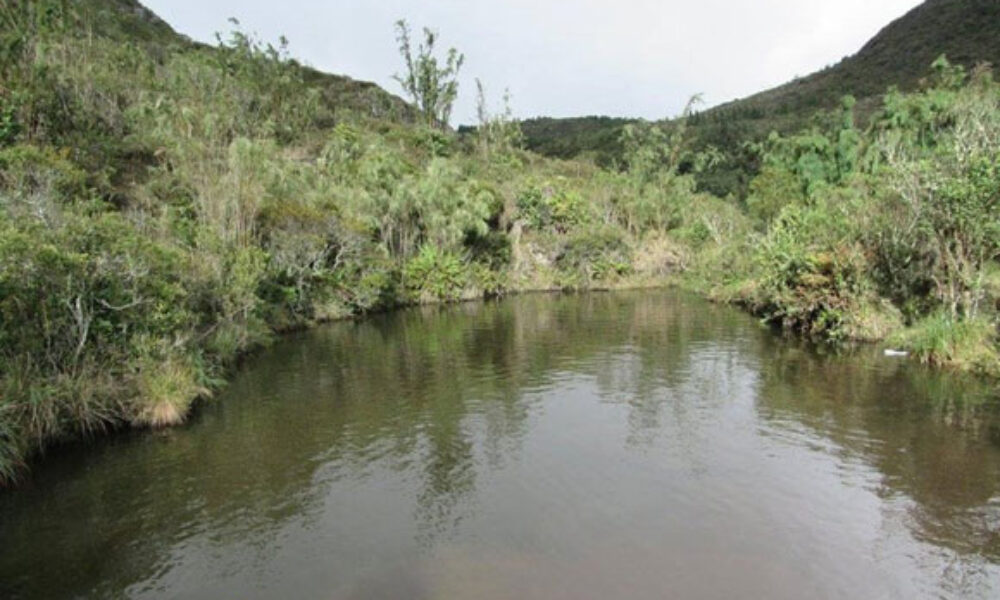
x=167 y=206
x=130 y=21
x=598 y=138
x=967 y=31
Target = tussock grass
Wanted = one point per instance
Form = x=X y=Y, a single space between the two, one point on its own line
x=940 y=339
x=166 y=390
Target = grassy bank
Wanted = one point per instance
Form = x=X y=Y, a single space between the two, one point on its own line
x=166 y=207
x=891 y=232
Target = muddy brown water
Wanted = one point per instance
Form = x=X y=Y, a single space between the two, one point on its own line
x=629 y=445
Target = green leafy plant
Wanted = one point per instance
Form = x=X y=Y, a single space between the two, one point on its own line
x=431 y=83
x=436 y=275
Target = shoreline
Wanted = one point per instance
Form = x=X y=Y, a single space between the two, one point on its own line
x=676 y=282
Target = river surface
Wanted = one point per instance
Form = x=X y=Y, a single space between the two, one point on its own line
x=633 y=445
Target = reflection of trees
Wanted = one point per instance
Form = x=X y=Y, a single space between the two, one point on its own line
x=425 y=387
x=932 y=437
x=690 y=351
x=446 y=395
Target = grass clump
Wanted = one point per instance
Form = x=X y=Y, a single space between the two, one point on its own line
x=967 y=344
x=166 y=388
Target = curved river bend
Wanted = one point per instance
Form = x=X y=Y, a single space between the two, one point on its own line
x=635 y=445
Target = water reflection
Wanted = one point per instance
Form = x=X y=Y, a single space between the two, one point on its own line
x=933 y=439
x=602 y=445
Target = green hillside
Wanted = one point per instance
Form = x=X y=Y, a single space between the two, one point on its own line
x=128 y=21
x=122 y=20
x=966 y=31
x=599 y=137
x=167 y=206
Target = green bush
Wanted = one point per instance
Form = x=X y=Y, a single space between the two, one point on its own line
x=10 y=128
x=600 y=254
x=772 y=190
x=434 y=274
x=28 y=170
x=79 y=304
x=812 y=275
x=553 y=206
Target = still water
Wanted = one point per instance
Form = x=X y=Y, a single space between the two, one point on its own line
x=635 y=445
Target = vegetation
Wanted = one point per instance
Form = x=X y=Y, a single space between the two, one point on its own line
x=964 y=30
x=432 y=87
x=594 y=138
x=166 y=207
x=859 y=232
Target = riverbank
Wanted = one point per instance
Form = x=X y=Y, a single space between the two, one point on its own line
x=175 y=401
x=962 y=345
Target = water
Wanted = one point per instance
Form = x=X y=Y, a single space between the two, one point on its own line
x=638 y=445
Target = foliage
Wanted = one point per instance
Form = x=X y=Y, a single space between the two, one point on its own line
x=434 y=274
x=553 y=205
x=165 y=207
x=906 y=210
x=431 y=85
x=498 y=136
x=10 y=128
x=940 y=339
x=660 y=167
x=600 y=254
x=594 y=137
x=966 y=30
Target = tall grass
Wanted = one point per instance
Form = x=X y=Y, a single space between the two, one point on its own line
x=966 y=344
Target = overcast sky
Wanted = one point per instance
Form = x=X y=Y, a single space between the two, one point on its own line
x=641 y=58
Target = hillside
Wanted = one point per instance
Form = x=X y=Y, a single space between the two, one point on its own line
x=167 y=206
x=966 y=31
x=128 y=21
x=564 y=138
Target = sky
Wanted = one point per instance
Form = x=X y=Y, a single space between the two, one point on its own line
x=563 y=58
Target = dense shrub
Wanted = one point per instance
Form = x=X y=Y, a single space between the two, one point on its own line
x=434 y=274
x=600 y=254
x=553 y=206
x=908 y=210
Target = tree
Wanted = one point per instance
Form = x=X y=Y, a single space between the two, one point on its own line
x=432 y=87
x=498 y=134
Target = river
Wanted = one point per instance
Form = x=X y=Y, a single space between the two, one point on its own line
x=627 y=445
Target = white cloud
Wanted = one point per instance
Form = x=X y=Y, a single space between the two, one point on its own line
x=568 y=57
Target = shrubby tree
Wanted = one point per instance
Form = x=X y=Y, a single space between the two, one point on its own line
x=660 y=165
x=907 y=211
x=498 y=134
x=939 y=154
x=431 y=85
